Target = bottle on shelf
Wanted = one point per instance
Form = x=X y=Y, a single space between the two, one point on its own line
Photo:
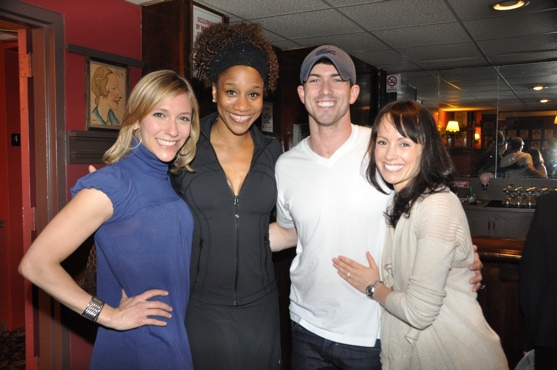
x=471 y=198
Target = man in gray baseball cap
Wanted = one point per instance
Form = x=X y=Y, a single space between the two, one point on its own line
x=326 y=207
x=342 y=62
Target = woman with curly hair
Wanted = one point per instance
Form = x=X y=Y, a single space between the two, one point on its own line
x=233 y=315
x=431 y=318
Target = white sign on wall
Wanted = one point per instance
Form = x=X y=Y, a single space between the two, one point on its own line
x=202 y=19
x=267 y=117
x=393 y=83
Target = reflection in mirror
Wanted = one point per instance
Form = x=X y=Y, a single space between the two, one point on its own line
x=472 y=102
x=526 y=121
x=501 y=101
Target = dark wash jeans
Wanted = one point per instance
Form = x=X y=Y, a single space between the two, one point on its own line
x=312 y=352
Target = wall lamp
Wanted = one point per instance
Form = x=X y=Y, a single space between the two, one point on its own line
x=452 y=127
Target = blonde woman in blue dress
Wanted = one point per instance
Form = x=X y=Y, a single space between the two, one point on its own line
x=143 y=234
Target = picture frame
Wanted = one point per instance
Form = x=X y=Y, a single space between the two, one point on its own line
x=488 y=139
x=106 y=88
x=536 y=134
x=535 y=144
x=511 y=134
x=489 y=128
x=548 y=134
x=202 y=17
x=461 y=118
x=525 y=134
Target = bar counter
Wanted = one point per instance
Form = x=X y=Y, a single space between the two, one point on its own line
x=499 y=300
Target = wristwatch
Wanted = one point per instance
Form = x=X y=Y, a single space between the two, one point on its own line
x=371 y=288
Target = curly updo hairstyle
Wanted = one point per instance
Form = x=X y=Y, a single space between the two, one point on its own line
x=221 y=46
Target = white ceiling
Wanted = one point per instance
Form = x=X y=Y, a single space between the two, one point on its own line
x=484 y=59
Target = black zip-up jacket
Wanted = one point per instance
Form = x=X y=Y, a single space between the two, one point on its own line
x=231 y=262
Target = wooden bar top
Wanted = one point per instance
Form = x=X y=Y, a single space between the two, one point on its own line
x=499 y=250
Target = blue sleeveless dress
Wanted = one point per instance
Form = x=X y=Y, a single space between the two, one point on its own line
x=146 y=244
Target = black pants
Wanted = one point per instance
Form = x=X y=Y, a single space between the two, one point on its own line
x=242 y=338
x=545 y=358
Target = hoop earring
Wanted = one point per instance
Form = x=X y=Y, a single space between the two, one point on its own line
x=138 y=143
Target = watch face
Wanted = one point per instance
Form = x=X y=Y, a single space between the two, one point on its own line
x=369 y=291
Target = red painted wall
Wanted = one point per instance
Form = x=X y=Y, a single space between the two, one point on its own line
x=11 y=283
x=111 y=26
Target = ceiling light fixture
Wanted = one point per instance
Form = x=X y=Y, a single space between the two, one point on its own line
x=544 y=100
x=509 y=5
x=538 y=87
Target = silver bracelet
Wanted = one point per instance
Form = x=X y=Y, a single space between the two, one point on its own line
x=93 y=309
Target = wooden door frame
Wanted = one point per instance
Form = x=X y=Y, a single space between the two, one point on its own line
x=43 y=156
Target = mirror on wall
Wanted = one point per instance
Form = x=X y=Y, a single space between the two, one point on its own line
x=536 y=127
x=471 y=102
x=502 y=100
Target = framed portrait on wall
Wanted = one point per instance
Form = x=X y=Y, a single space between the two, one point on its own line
x=536 y=134
x=548 y=134
x=535 y=144
x=511 y=133
x=488 y=128
x=461 y=118
x=106 y=93
x=488 y=139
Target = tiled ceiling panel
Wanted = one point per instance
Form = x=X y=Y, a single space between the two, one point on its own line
x=419 y=38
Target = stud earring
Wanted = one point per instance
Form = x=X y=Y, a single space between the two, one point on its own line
x=214 y=101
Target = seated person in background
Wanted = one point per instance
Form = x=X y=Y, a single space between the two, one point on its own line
x=549 y=153
x=538 y=284
x=538 y=161
x=516 y=163
x=492 y=155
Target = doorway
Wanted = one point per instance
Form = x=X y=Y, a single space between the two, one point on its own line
x=34 y=135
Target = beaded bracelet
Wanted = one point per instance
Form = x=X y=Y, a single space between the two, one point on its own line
x=93 y=309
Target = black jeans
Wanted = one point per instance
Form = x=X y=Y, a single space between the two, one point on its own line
x=311 y=352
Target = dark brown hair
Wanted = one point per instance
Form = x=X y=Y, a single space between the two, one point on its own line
x=414 y=121
x=217 y=37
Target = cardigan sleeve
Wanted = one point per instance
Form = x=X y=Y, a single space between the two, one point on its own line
x=440 y=243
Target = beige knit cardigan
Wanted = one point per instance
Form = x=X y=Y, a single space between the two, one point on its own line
x=432 y=320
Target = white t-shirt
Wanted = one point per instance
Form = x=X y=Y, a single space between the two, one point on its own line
x=336 y=211
x=521 y=159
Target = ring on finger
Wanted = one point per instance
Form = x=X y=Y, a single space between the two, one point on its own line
x=348 y=276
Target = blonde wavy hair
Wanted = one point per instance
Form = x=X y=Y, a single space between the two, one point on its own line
x=150 y=91
x=99 y=81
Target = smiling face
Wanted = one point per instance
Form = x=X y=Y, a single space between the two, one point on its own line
x=167 y=127
x=326 y=96
x=239 y=97
x=113 y=92
x=397 y=157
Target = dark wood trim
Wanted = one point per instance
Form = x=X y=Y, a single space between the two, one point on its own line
x=499 y=300
x=76 y=49
x=499 y=250
x=47 y=341
x=88 y=147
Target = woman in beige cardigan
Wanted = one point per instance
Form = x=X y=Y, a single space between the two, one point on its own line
x=431 y=318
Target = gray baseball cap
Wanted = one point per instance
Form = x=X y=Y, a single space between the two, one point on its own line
x=342 y=62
